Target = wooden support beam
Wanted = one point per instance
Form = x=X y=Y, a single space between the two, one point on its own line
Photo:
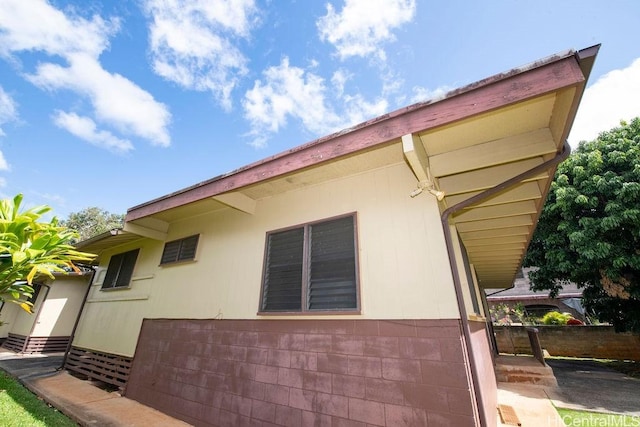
x=505 y=150
x=495 y=241
x=416 y=156
x=495 y=250
x=489 y=224
x=237 y=201
x=145 y=231
x=490 y=234
x=482 y=179
x=524 y=191
x=498 y=211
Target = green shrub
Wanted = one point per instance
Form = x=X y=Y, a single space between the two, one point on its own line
x=556 y=318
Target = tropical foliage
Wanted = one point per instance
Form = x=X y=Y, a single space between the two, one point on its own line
x=92 y=221
x=589 y=230
x=556 y=318
x=31 y=247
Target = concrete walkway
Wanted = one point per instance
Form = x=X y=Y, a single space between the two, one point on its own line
x=588 y=386
x=582 y=385
x=81 y=401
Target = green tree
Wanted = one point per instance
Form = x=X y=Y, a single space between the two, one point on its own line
x=30 y=248
x=92 y=221
x=589 y=230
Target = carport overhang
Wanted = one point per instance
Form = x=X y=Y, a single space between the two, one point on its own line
x=472 y=140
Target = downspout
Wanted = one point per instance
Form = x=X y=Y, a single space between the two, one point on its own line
x=75 y=325
x=466 y=330
x=35 y=321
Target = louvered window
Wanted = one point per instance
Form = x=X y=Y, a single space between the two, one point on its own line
x=311 y=268
x=120 y=270
x=180 y=250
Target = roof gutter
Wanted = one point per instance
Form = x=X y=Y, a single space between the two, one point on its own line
x=466 y=330
x=501 y=290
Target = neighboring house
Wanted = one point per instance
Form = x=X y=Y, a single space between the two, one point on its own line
x=538 y=303
x=56 y=305
x=318 y=286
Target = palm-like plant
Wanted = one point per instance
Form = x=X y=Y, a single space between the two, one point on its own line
x=30 y=248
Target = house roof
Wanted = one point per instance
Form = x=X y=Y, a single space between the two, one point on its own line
x=522 y=290
x=107 y=240
x=471 y=140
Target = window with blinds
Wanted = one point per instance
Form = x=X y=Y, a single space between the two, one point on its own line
x=180 y=250
x=120 y=270
x=311 y=268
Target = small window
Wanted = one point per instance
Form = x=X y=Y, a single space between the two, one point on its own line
x=311 y=268
x=180 y=250
x=120 y=270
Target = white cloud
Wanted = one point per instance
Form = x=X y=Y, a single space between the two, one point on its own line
x=422 y=94
x=362 y=26
x=115 y=99
x=287 y=91
x=291 y=92
x=613 y=97
x=7 y=109
x=192 y=43
x=4 y=166
x=359 y=110
x=339 y=79
x=85 y=128
x=37 y=26
x=7 y=114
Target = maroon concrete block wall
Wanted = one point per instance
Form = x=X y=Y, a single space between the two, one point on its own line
x=572 y=341
x=485 y=372
x=356 y=373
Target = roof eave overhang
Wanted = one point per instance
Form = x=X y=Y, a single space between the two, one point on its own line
x=106 y=241
x=499 y=91
x=496 y=230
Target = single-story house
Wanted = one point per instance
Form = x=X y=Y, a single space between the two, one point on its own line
x=56 y=306
x=340 y=281
x=538 y=303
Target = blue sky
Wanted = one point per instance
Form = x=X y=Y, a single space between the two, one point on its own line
x=114 y=103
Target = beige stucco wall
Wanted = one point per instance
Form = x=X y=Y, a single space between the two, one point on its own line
x=23 y=321
x=403 y=264
x=55 y=310
x=8 y=315
x=58 y=312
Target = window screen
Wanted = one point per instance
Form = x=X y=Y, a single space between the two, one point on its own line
x=120 y=270
x=180 y=250
x=311 y=268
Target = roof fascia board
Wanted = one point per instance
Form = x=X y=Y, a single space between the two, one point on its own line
x=490 y=94
x=99 y=238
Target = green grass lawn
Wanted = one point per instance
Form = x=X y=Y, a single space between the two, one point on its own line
x=573 y=418
x=21 y=408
